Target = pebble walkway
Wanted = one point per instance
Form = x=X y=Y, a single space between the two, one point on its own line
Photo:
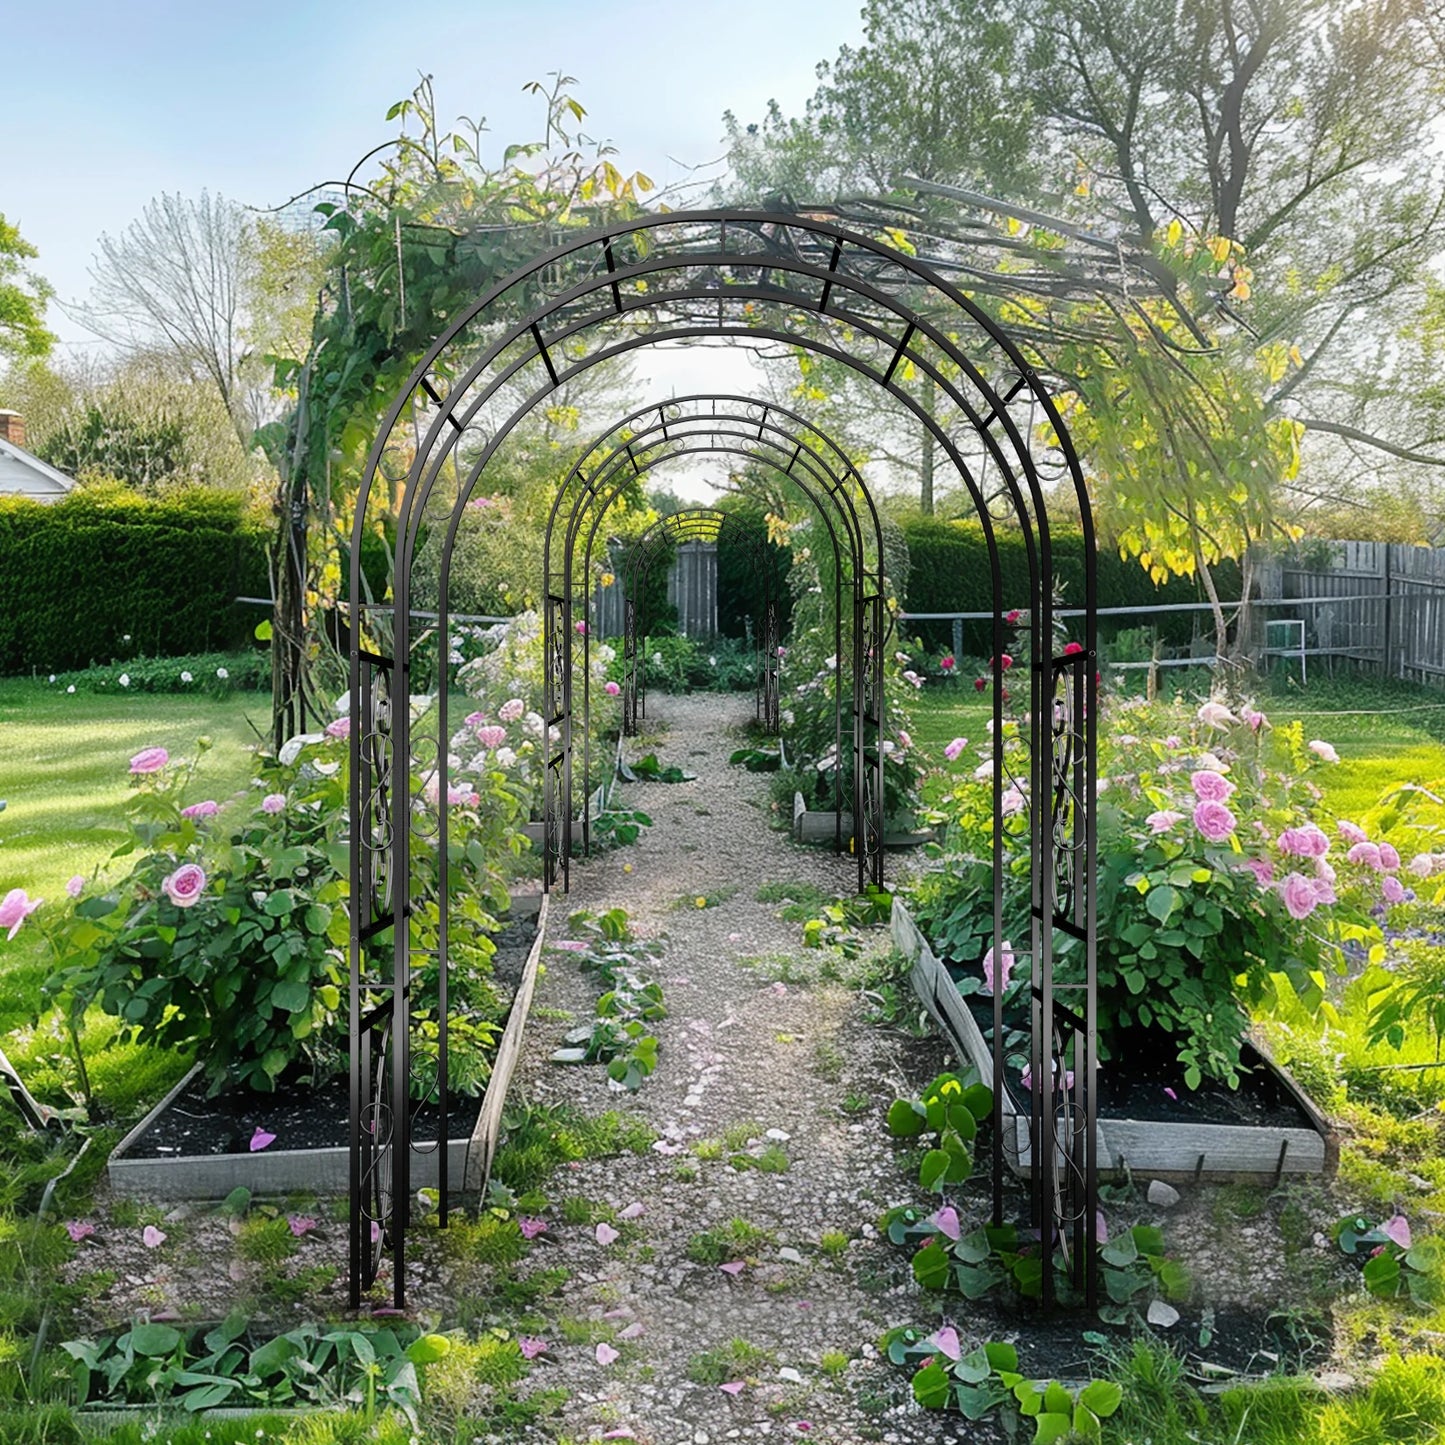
x=739 y=1046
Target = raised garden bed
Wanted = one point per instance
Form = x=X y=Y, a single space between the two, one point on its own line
x=192 y=1147
x=1266 y=1129
x=812 y=825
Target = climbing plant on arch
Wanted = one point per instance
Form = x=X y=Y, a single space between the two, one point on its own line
x=798 y=281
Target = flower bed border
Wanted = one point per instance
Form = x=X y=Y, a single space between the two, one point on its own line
x=1240 y=1153
x=812 y=826
x=326 y=1170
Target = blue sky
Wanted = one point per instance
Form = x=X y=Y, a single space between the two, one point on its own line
x=110 y=102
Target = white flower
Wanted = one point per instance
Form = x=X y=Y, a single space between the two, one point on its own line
x=712 y=662
x=52 y=677
x=342 y=705
x=657 y=659
x=291 y=748
x=505 y=758
x=787 y=716
x=831 y=663
x=1324 y=750
x=71 y=688
x=186 y=677
x=125 y=679
x=222 y=673
x=984 y=771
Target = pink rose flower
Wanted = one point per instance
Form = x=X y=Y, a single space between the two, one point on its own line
x=913 y=677
x=1255 y=719
x=273 y=803
x=1325 y=891
x=611 y=688
x=185 y=885
x=1306 y=842
x=1216 y=715
x=954 y=748
x=1367 y=855
x=1073 y=648
x=340 y=728
x=76 y=885
x=946 y=663
x=1392 y=888
x=1211 y=787
x=1323 y=750
x=1351 y=832
x=15 y=908
x=1389 y=858
x=475 y=719
x=1299 y=895
x=904 y=740
x=511 y=710
x=492 y=736
x=1262 y=869
x=462 y=795
x=149 y=760
x=1006 y=950
x=1214 y=821
x=1012 y=802
x=197 y=811
x=1012 y=618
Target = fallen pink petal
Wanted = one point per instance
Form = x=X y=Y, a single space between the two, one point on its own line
x=261 y=1139
x=733 y=1387
x=605 y=1354
x=946 y=1221
x=301 y=1224
x=1398 y=1230
x=946 y=1342
x=632 y=1332
x=79 y=1229
x=606 y=1234
x=152 y=1237
x=632 y=1211
x=621 y=1432
x=531 y=1346
x=531 y=1227
x=734 y=1267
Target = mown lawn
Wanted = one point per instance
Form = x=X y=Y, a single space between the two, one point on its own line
x=64 y=777
x=1385 y=733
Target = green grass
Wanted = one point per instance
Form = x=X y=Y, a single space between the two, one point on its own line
x=66 y=769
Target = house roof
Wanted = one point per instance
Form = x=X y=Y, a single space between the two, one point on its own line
x=23 y=474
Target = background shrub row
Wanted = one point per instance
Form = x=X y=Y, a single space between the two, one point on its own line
x=107 y=574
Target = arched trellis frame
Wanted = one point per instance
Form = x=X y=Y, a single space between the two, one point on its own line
x=759 y=277
x=783 y=441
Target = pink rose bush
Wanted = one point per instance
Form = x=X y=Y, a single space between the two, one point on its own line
x=227 y=941
x=1219 y=874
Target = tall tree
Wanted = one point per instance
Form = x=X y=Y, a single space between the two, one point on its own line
x=23 y=296
x=175 y=283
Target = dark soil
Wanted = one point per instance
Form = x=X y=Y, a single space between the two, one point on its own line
x=1133 y=1085
x=299 y=1115
x=303 y=1116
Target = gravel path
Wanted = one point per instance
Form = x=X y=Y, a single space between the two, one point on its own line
x=741 y=1051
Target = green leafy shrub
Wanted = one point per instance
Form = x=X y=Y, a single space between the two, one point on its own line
x=227 y=938
x=215 y=674
x=106 y=573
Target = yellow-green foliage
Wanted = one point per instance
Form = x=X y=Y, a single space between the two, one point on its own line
x=460 y=1381
x=488 y=1240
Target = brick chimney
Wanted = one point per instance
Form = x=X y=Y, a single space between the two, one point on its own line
x=12 y=428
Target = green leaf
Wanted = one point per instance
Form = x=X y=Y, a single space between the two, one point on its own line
x=153 y=1339
x=1057 y=1400
x=931 y=1387
x=428 y=1349
x=263 y=631
x=1049 y=1427
x=905 y=1119
x=933 y=1171
x=1001 y=1356
x=931 y=1266
x=291 y=995
x=1161 y=902
x=1103 y=1397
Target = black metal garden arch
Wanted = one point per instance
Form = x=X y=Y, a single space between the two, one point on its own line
x=759 y=277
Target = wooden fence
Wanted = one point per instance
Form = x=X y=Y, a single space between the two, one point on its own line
x=1370 y=606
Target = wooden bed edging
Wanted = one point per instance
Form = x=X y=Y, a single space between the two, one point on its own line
x=482 y=1146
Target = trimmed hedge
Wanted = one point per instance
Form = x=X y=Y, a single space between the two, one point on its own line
x=107 y=573
x=948 y=571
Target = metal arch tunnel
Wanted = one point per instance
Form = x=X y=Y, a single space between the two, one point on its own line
x=799 y=281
